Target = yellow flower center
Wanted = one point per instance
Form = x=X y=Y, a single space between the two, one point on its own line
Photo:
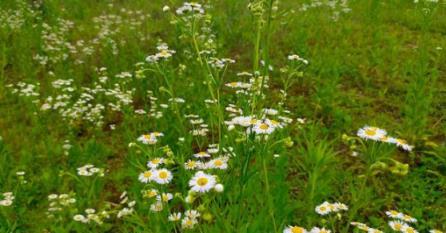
x=155 y=161
x=151 y=193
x=163 y=175
x=401 y=141
x=233 y=84
x=218 y=163
x=394 y=213
x=398 y=226
x=202 y=181
x=264 y=126
x=147 y=174
x=274 y=122
x=370 y=132
x=164 y=53
x=297 y=230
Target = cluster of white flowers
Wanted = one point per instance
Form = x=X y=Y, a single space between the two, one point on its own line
x=364 y=227
x=336 y=6
x=57 y=203
x=25 y=89
x=258 y=126
x=401 y=216
x=190 y=7
x=327 y=207
x=377 y=134
x=7 y=199
x=431 y=1
x=150 y=138
x=295 y=57
x=89 y=170
x=15 y=19
x=297 y=229
x=163 y=53
x=220 y=63
x=108 y=29
x=127 y=206
x=82 y=104
x=199 y=128
x=401 y=222
x=91 y=216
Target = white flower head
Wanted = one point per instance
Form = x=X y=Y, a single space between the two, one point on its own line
x=202 y=182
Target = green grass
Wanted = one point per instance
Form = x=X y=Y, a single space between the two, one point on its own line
x=380 y=64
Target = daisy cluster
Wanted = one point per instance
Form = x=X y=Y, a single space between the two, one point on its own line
x=76 y=104
x=150 y=138
x=108 y=29
x=188 y=16
x=380 y=135
x=295 y=57
x=91 y=216
x=199 y=128
x=363 y=227
x=58 y=202
x=7 y=199
x=190 y=7
x=337 y=7
x=90 y=170
x=298 y=229
x=15 y=19
x=327 y=208
x=25 y=89
x=126 y=206
x=257 y=126
x=163 y=53
x=401 y=222
x=158 y=176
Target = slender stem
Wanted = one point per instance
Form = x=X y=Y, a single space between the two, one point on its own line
x=270 y=203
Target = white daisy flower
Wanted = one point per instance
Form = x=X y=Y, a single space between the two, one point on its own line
x=294 y=229
x=174 y=217
x=397 y=225
x=319 y=230
x=154 y=163
x=156 y=207
x=218 y=163
x=188 y=223
x=202 y=154
x=372 y=133
x=192 y=214
x=162 y=176
x=408 y=218
x=323 y=209
x=394 y=214
x=202 y=182
x=409 y=229
x=373 y=230
x=164 y=197
x=262 y=127
x=403 y=144
x=146 y=176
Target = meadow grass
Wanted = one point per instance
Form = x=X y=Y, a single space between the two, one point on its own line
x=223 y=116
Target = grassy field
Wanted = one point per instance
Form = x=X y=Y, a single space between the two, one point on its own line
x=223 y=116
